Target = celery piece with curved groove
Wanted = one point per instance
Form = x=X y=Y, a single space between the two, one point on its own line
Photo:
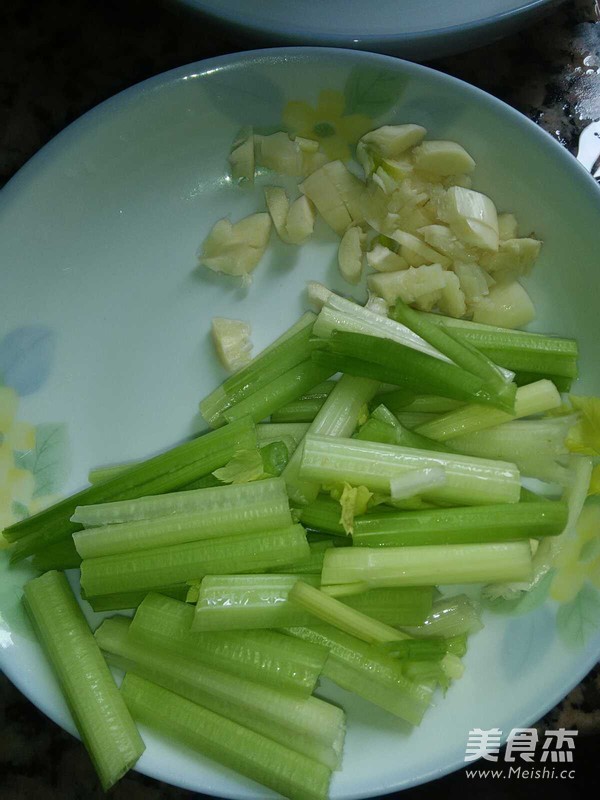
x=294 y=432
x=310 y=726
x=429 y=565
x=124 y=600
x=236 y=602
x=469 y=480
x=328 y=609
x=102 y=718
x=213 y=501
x=464 y=525
x=265 y=761
x=259 y=655
x=338 y=417
x=299 y=410
x=368 y=672
x=531 y=399
x=390 y=362
x=323 y=514
x=222 y=511
x=459 y=353
x=284 y=388
x=286 y=352
x=166 y=472
x=404 y=436
x=148 y=569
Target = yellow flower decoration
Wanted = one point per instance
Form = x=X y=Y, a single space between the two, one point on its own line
x=327 y=123
x=579 y=560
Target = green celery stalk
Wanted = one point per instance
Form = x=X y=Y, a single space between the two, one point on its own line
x=284 y=388
x=469 y=481
x=102 y=718
x=101 y=474
x=429 y=404
x=457 y=645
x=532 y=399
x=223 y=511
x=413 y=419
x=123 y=600
x=521 y=350
x=396 y=399
x=160 y=566
x=310 y=726
x=283 y=354
x=332 y=611
x=310 y=566
x=258 y=655
x=319 y=392
x=404 y=436
x=368 y=672
x=265 y=761
x=390 y=362
x=433 y=649
x=323 y=514
x=460 y=354
x=214 y=501
x=465 y=525
x=450 y=617
x=299 y=410
x=238 y=602
x=267 y=432
x=338 y=417
x=275 y=456
x=375 y=430
x=423 y=566
x=61 y=555
x=163 y=473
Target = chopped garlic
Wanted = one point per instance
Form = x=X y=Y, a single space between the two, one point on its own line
x=472 y=217
x=236 y=249
x=300 y=221
x=410 y=285
x=279 y=153
x=452 y=301
x=383 y=259
x=508 y=305
x=278 y=206
x=231 y=338
x=350 y=254
x=507 y=226
x=515 y=257
x=442 y=158
x=319 y=188
x=473 y=282
x=417 y=252
x=392 y=140
x=377 y=305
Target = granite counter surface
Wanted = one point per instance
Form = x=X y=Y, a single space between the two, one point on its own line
x=60 y=58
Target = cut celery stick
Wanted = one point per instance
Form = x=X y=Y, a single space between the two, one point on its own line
x=148 y=569
x=430 y=404
x=522 y=351
x=264 y=656
x=310 y=566
x=102 y=719
x=460 y=354
x=562 y=384
x=368 y=672
x=214 y=501
x=413 y=419
x=405 y=437
x=265 y=761
x=434 y=564
x=390 y=362
x=416 y=482
x=450 y=616
x=320 y=391
x=395 y=399
x=237 y=602
x=532 y=399
x=332 y=611
x=268 y=432
x=126 y=600
x=287 y=386
x=466 y=525
x=338 y=417
x=310 y=726
x=299 y=410
x=227 y=510
x=323 y=514
x=100 y=474
x=275 y=456
x=433 y=649
x=470 y=481
x=374 y=430
x=286 y=352
x=163 y=473
x=61 y=555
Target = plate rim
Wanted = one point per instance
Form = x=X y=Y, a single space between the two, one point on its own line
x=198 y=68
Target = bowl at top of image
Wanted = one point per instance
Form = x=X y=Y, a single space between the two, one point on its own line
x=105 y=320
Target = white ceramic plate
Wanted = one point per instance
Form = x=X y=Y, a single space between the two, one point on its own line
x=105 y=320
x=421 y=29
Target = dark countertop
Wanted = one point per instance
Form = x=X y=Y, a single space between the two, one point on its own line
x=60 y=58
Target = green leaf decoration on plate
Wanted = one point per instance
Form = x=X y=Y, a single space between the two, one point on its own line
x=372 y=91
x=524 y=602
x=48 y=460
x=580 y=618
x=13 y=617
